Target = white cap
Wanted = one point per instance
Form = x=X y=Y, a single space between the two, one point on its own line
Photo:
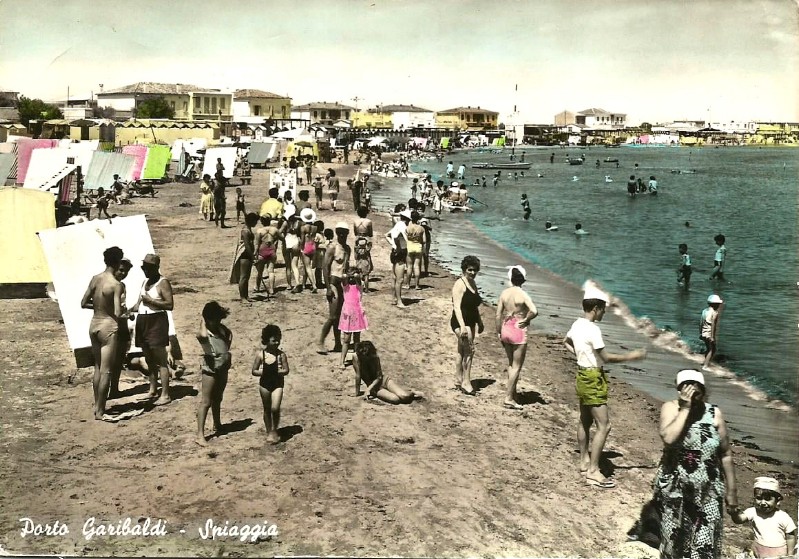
x=768 y=483
x=593 y=292
x=714 y=299
x=517 y=267
x=690 y=375
x=406 y=214
x=342 y=225
x=455 y=183
x=308 y=215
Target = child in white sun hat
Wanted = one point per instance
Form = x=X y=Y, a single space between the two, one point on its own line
x=708 y=326
x=774 y=529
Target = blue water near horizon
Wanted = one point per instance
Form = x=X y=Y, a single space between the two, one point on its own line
x=748 y=194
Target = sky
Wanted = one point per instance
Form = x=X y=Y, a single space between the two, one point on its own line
x=656 y=61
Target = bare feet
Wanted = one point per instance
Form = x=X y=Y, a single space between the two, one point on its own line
x=200 y=440
x=152 y=394
x=162 y=401
x=401 y=305
x=273 y=437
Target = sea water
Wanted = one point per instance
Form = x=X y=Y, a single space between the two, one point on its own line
x=747 y=194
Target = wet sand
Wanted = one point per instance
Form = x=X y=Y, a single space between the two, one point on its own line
x=451 y=475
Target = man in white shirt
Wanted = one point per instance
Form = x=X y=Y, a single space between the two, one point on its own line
x=584 y=340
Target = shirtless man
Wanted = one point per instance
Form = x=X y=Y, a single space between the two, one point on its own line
x=336 y=264
x=515 y=310
x=104 y=297
x=266 y=238
x=152 y=326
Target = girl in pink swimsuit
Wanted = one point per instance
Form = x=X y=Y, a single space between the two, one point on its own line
x=353 y=318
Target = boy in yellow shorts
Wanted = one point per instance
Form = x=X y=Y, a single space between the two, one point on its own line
x=584 y=340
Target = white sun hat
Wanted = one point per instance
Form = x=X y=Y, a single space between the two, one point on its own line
x=690 y=375
x=517 y=267
x=714 y=299
x=593 y=292
x=308 y=215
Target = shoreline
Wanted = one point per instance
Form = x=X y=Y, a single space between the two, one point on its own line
x=447 y=476
x=558 y=301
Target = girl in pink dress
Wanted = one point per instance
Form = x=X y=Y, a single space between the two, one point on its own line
x=353 y=318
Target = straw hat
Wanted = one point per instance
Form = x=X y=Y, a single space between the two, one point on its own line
x=151 y=259
x=342 y=225
x=307 y=215
x=687 y=375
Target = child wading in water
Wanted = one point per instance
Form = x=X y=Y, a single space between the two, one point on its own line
x=215 y=339
x=353 y=318
x=775 y=530
x=684 y=271
x=708 y=326
x=272 y=365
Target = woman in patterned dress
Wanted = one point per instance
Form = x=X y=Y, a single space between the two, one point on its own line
x=696 y=473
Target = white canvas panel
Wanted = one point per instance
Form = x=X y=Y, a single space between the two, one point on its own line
x=104 y=165
x=74 y=254
x=45 y=165
x=191 y=146
x=228 y=155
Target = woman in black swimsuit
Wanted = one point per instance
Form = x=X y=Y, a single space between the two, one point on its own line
x=272 y=365
x=465 y=316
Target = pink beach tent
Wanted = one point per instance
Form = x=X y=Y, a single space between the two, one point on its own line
x=140 y=152
x=24 y=152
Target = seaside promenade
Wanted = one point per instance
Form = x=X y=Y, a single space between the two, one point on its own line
x=446 y=476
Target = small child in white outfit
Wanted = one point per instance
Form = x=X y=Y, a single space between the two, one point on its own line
x=775 y=530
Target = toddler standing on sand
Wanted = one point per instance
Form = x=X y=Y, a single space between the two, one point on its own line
x=215 y=339
x=272 y=365
x=775 y=530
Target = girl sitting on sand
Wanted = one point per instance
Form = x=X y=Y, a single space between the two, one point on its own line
x=353 y=318
x=272 y=365
x=215 y=339
x=367 y=369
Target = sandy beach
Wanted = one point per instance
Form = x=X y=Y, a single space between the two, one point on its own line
x=448 y=476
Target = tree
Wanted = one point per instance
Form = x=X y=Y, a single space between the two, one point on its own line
x=155 y=107
x=34 y=109
x=646 y=127
x=104 y=112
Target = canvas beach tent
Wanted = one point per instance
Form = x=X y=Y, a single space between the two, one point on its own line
x=191 y=147
x=228 y=156
x=156 y=163
x=25 y=147
x=262 y=152
x=75 y=253
x=23 y=268
x=139 y=151
x=104 y=165
x=47 y=167
x=8 y=161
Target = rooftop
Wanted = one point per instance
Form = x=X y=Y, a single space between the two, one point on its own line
x=400 y=109
x=160 y=89
x=469 y=109
x=256 y=94
x=322 y=105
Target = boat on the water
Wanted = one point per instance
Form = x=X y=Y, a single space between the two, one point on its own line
x=511 y=166
x=611 y=160
x=455 y=206
x=577 y=161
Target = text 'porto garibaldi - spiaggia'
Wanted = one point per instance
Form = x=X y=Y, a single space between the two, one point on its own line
x=148 y=528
